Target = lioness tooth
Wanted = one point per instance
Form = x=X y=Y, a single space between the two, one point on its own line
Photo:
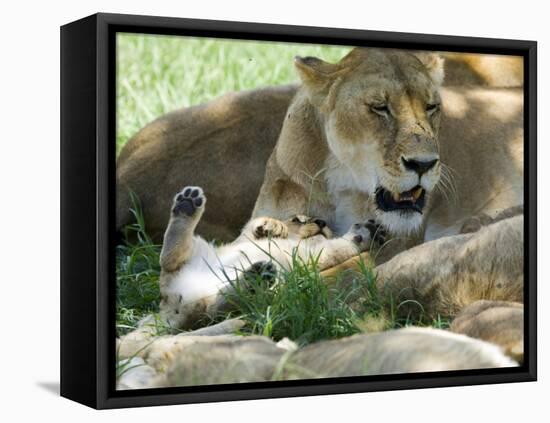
x=396 y=196
x=417 y=192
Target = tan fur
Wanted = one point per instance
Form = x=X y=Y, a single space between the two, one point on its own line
x=406 y=350
x=483 y=69
x=441 y=278
x=477 y=277
x=146 y=343
x=475 y=223
x=212 y=145
x=499 y=322
x=195 y=360
x=450 y=273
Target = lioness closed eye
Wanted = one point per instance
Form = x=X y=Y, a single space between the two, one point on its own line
x=196 y=273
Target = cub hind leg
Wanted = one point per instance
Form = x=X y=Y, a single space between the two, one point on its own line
x=186 y=212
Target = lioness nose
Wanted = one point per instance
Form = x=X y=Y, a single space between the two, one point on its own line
x=418 y=166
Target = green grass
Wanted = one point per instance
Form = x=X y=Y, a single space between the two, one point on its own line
x=137 y=275
x=158 y=74
x=298 y=303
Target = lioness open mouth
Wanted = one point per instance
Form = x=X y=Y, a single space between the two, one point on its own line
x=412 y=200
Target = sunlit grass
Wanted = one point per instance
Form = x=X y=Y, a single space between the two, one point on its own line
x=157 y=74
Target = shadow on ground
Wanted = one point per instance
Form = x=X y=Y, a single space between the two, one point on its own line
x=51 y=387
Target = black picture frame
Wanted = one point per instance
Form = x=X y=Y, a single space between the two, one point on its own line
x=87 y=209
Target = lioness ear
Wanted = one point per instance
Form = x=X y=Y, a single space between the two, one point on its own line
x=316 y=75
x=434 y=64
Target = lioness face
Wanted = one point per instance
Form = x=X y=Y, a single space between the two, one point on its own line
x=381 y=113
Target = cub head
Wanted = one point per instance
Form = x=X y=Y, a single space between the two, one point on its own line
x=380 y=111
x=304 y=227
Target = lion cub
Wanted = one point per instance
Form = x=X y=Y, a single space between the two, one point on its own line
x=195 y=274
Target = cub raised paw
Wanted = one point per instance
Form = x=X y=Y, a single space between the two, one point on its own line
x=367 y=235
x=270 y=228
x=377 y=232
x=189 y=202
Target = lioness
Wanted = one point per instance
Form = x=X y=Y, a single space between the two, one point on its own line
x=195 y=273
x=480 y=144
x=366 y=138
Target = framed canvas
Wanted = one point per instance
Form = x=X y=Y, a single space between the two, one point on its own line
x=259 y=211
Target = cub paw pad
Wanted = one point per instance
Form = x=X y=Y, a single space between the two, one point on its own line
x=259 y=272
x=367 y=234
x=188 y=201
x=377 y=232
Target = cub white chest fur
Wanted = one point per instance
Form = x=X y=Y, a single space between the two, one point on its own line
x=211 y=270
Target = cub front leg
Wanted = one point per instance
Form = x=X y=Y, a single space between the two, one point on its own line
x=360 y=237
x=187 y=209
x=263 y=227
x=367 y=235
